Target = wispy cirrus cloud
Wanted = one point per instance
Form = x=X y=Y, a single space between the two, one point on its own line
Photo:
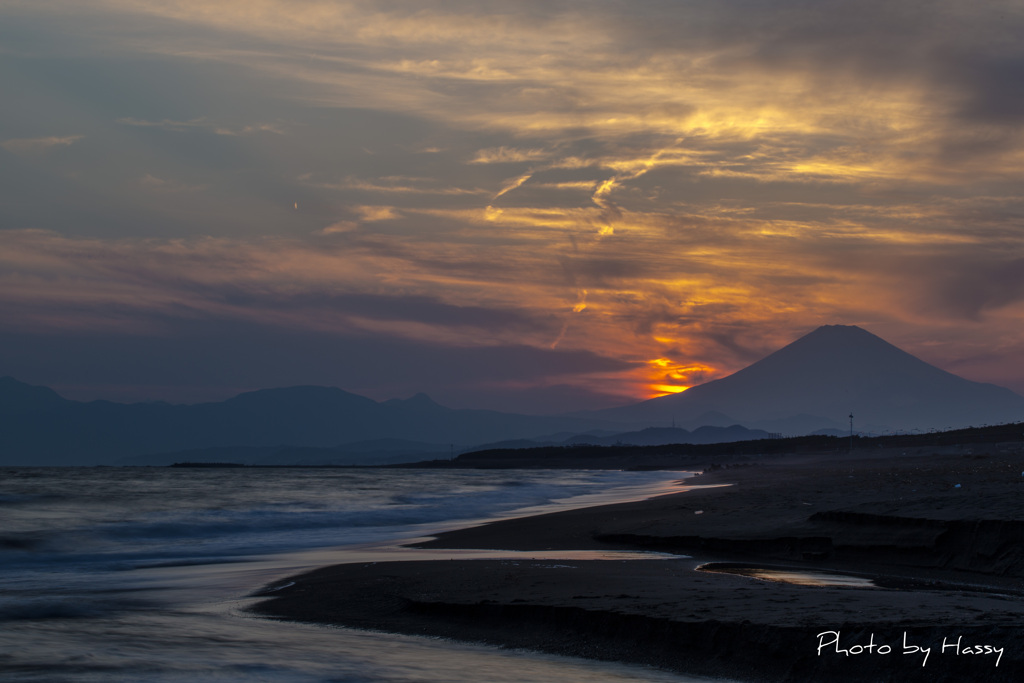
x=396 y=185
x=508 y=155
x=39 y=145
x=204 y=124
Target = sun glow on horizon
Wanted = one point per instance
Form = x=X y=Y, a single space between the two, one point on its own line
x=666 y=389
x=665 y=376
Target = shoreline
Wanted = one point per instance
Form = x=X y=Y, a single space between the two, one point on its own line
x=953 y=553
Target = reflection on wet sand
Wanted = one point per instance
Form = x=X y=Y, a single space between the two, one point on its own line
x=799 y=577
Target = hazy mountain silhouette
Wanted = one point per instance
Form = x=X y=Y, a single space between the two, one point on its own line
x=38 y=427
x=818 y=380
x=651 y=436
x=812 y=384
x=658 y=436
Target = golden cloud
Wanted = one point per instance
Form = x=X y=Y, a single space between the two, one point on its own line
x=508 y=155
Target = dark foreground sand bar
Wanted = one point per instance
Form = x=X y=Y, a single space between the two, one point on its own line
x=942 y=534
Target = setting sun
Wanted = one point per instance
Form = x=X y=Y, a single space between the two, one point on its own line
x=665 y=376
x=666 y=389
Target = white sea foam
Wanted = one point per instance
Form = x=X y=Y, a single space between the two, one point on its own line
x=135 y=574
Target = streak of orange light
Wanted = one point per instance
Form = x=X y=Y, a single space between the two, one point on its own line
x=665 y=376
x=666 y=389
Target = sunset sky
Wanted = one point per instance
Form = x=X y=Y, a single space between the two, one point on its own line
x=529 y=206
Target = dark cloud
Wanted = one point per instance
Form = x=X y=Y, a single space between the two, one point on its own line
x=423 y=309
x=971 y=289
x=991 y=87
x=208 y=360
x=604 y=271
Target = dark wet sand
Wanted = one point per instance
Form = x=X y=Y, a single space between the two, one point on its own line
x=950 y=560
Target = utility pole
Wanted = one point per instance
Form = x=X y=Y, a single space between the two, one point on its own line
x=851 y=432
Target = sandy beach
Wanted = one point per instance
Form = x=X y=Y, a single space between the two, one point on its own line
x=940 y=535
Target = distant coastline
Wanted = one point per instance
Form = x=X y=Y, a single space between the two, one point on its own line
x=687 y=456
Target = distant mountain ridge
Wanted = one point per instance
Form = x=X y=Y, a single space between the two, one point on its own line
x=818 y=380
x=651 y=436
x=810 y=385
x=39 y=427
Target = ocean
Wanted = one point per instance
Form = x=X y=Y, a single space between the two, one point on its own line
x=143 y=574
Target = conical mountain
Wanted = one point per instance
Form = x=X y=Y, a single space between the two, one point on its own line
x=832 y=372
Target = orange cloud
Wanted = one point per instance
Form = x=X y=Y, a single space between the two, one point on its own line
x=376 y=213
